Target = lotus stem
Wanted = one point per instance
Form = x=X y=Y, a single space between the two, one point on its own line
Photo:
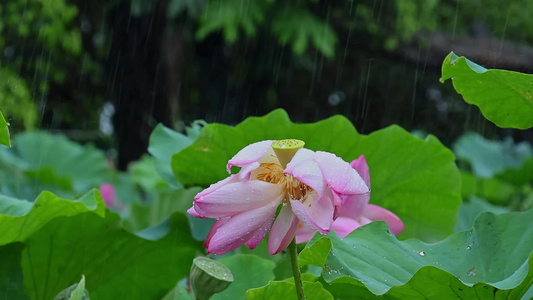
x=296 y=270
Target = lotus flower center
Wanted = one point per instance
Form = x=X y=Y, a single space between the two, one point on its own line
x=293 y=190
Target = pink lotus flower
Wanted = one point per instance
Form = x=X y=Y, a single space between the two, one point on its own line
x=353 y=214
x=108 y=194
x=310 y=189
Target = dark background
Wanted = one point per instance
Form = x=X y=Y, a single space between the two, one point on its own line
x=176 y=61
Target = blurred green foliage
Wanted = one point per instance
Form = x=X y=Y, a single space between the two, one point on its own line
x=299 y=27
x=57 y=67
x=391 y=23
x=42 y=46
x=497 y=171
x=230 y=16
x=40 y=25
x=488 y=158
x=508 y=20
x=42 y=161
x=15 y=99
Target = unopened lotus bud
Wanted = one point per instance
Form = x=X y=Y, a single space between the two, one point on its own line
x=208 y=277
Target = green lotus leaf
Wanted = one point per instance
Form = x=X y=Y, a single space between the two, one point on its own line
x=493 y=257
x=489 y=158
x=51 y=242
x=504 y=97
x=286 y=290
x=249 y=271
x=11 y=277
x=178 y=293
x=165 y=203
x=474 y=207
x=416 y=179
x=20 y=219
x=117 y=264
x=163 y=143
x=42 y=161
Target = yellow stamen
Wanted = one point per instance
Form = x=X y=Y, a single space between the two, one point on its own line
x=296 y=189
x=271 y=172
x=293 y=189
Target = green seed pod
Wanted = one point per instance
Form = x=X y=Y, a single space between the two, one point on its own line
x=285 y=150
x=208 y=277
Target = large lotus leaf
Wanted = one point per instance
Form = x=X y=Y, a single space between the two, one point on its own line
x=494 y=257
x=416 y=179
x=283 y=267
x=469 y=211
x=86 y=166
x=163 y=203
x=53 y=160
x=249 y=271
x=166 y=202
x=422 y=287
x=491 y=157
x=117 y=264
x=4 y=131
x=504 y=97
x=163 y=143
x=204 y=162
x=144 y=173
x=286 y=290
x=178 y=293
x=11 y=278
x=20 y=219
x=28 y=185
